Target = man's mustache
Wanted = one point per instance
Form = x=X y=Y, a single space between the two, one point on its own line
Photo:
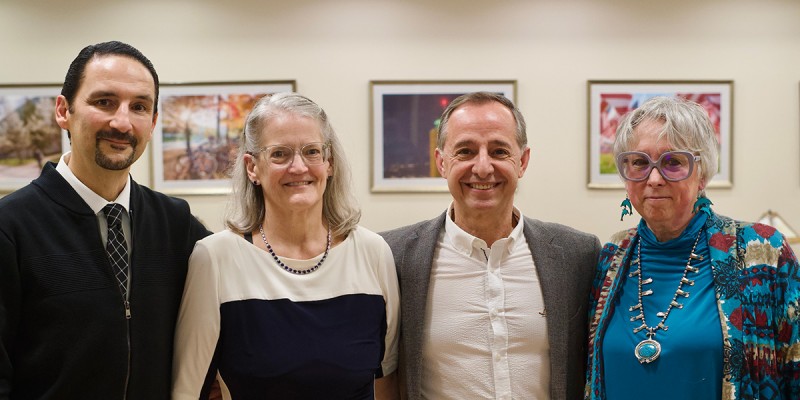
x=114 y=134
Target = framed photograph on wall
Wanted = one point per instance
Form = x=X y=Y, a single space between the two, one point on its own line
x=405 y=121
x=198 y=131
x=29 y=134
x=610 y=100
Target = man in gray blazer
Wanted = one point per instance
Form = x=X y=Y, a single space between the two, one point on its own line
x=493 y=304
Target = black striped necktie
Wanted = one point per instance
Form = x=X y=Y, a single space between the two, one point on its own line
x=116 y=247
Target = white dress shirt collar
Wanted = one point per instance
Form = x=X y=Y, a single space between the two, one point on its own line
x=94 y=200
x=467 y=244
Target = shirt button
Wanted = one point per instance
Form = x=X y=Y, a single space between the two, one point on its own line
x=493 y=313
x=498 y=357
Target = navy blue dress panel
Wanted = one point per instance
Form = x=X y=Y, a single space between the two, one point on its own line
x=280 y=349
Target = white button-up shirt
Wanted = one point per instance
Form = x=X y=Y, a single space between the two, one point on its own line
x=485 y=331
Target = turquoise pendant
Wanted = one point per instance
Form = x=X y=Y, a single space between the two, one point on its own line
x=647 y=351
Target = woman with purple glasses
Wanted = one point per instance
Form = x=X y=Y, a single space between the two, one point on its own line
x=689 y=304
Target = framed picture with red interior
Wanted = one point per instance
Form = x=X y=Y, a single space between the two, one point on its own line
x=608 y=101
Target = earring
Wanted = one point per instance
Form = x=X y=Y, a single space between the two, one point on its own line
x=627 y=208
x=702 y=204
x=255 y=183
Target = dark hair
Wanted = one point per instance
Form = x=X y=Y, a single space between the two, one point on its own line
x=75 y=73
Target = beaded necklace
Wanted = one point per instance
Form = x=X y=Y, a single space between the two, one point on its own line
x=649 y=349
x=290 y=269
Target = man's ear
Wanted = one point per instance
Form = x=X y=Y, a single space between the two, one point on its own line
x=524 y=160
x=440 y=162
x=155 y=119
x=62 y=112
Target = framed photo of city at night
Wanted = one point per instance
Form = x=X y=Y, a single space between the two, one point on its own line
x=198 y=132
x=405 y=121
x=29 y=134
x=609 y=101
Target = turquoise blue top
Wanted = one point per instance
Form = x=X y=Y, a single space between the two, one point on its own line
x=690 y=364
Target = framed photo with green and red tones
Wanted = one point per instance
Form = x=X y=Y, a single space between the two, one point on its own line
x=609 y=101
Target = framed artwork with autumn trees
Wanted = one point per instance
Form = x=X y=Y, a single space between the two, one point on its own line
x=199 y=130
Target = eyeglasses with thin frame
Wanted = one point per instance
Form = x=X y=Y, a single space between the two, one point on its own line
x=279 y=155
x=674 y=166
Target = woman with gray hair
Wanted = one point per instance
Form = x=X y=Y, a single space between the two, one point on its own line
x=293 y=299
x=689 y=304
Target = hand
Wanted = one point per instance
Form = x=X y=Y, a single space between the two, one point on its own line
x=216 y=392
x=387 y=388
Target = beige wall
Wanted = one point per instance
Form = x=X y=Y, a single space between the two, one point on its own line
x=334 y=48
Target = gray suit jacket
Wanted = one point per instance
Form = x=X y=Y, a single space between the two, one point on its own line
x=565 y=260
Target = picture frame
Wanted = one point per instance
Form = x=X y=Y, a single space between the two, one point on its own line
x=609 y=100
x=404 y=123
x=197 y=134
x=29 y=134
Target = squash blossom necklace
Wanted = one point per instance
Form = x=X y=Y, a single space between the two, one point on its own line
x=649 y=349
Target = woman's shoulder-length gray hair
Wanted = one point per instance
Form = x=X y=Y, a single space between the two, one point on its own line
x=245 y=211
x=686 y=127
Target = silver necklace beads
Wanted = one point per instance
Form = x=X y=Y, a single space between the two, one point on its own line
x=649 y=349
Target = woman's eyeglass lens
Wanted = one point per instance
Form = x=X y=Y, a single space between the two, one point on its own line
x=673 y=165
x=311 y=153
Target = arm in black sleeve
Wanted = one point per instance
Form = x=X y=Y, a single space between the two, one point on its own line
x=10 y=304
